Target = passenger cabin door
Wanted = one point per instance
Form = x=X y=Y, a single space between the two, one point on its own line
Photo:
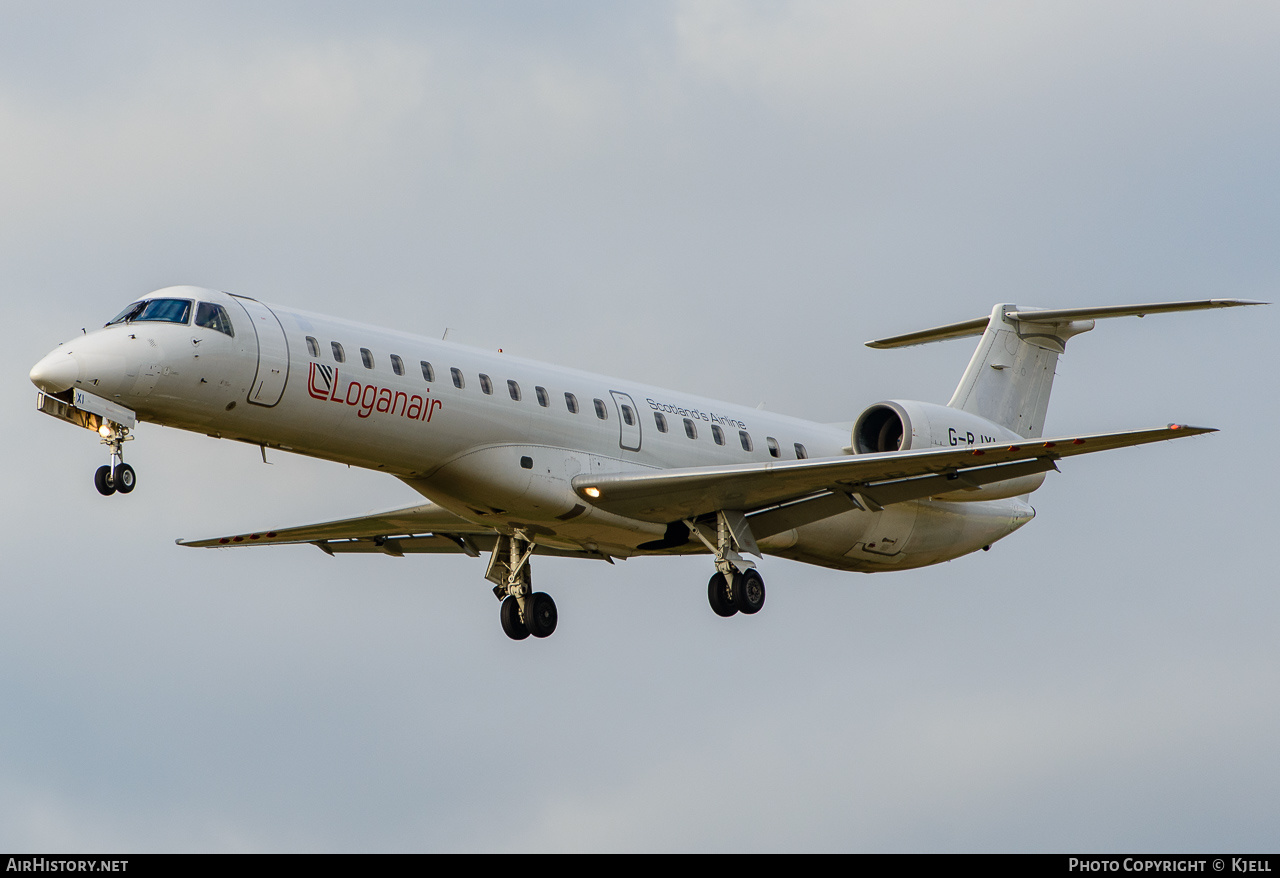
x=629 y=419
x=273 y=353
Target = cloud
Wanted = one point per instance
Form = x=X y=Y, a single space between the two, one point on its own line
x=723 y=198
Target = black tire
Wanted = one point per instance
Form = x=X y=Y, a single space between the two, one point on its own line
x=103 y=482
x=748 y=592
x=511 y=623
x=720 y=596
x=124 y=478
x=542 y=614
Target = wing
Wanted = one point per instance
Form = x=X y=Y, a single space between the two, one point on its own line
x=892 y=477
x=422 y=528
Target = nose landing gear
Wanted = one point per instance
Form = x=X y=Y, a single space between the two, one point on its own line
x=118 y=476
x=108 y=419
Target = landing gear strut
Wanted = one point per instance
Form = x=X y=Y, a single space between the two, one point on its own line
x=737 y=586
x=119 y=476
x=524 y=611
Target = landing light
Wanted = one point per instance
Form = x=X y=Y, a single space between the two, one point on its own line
x=105 y=431
x=592 y=492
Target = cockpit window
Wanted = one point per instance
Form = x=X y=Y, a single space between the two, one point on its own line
x=156 y=310
x=128 y=314
x=213 y=316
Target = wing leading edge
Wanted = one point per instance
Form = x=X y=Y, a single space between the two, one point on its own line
x=891 y=477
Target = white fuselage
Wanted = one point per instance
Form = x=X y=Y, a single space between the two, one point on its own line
x=478 y=450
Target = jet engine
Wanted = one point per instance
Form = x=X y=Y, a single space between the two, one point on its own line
x=902 y=425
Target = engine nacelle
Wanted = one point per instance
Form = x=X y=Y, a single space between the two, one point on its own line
x=908 y=425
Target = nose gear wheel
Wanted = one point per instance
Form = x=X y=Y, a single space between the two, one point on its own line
x=124 y=478
x=103 y=481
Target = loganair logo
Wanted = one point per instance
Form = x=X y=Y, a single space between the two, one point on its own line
x=322 y=383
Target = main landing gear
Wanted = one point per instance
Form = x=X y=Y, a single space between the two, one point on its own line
x=737 y=586
x=118 y=476
x=736 y=593
x=524 y=611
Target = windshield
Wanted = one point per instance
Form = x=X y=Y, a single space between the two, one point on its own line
x=159 y=310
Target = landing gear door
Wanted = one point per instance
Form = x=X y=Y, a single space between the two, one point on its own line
x=273 y=353
x=629 y=419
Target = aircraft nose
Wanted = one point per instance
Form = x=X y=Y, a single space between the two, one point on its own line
x=56 y=372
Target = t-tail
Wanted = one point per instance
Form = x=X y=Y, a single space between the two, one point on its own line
x=1009 y=378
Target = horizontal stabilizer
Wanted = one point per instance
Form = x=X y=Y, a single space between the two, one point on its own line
x=1053 y=316
x=963 y=329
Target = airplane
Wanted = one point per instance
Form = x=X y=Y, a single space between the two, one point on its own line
x=515 y=458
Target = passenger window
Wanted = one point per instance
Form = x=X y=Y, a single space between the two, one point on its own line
x=366 y=356
x=212 y=316
x=717 y=434
x=397 y=365
x=628 y=415
x=801 y=454
x=428 y=374
x=457 y=378
x=514 y=390
x=661 y=420
x=339 y=355
x=773 y=446
x=571 y=403
x=543 y=399
x=486 y=385
x=313 y=347
x=746 y=440
x=690 y=429
x=601 y=412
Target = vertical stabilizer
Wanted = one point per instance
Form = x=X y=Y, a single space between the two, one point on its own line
x=1011 y=373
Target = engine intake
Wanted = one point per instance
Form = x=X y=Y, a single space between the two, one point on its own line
x=885 y=426
x=903 y=425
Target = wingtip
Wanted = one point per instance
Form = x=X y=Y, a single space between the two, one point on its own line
x=1188 y=428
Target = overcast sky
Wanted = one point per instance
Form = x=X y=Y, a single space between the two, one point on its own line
x=724 y=198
